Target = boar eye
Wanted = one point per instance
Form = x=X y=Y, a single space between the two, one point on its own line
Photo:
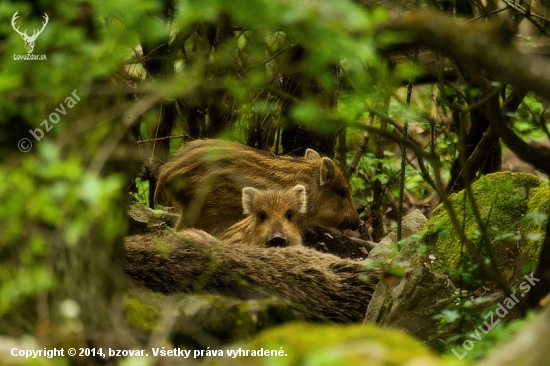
x=342 y=192
x=289 y=215
x=262 y=216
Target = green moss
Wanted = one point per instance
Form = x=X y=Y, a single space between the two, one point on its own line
x=315 y=344
x=534 y=229
x=502 y=199
x=231 y=319
x=139 y=315
x=223 y=318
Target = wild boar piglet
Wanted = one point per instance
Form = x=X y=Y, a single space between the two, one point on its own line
x=271 y=220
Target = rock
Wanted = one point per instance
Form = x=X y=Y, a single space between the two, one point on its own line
x=412 y=223
x=414 y=299
x=199 y=321
x=534 y=229
x=410 y=304
x=316 y=345
x=502 y=200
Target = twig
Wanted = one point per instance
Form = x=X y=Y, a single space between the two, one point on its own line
x=361 y=149
x=162 y=138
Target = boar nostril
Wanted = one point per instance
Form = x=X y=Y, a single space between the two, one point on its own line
x=351 y=224
x=277 y=239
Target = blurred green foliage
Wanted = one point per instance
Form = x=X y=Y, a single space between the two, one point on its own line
x=211 y=68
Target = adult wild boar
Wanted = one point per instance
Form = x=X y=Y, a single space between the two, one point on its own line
x=206 y=177
x=271 y=220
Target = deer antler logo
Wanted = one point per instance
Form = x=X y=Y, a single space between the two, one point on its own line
x=29 y=40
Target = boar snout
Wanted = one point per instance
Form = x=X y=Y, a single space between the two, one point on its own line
x=277 y=239
x=352 y=224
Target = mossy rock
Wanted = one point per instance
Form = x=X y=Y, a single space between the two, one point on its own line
x=140 y=314
x=221 y=318
x=534 y=228
x=315 y=344
x=502 y=200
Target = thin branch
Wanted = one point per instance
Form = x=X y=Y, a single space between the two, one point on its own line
x=361 y=149
x=527 y=14
x=411 y=144
x=112 y=141
x=162 y=138
x=486 y=47
x=478 y=156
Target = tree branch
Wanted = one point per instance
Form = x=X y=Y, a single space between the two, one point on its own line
x=487 y=47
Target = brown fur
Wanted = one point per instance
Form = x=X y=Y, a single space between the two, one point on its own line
x=271 y=220
x=206 y=177
x=194 y=261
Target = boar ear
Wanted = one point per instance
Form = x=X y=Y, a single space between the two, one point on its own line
x=301 y=198
x=311 y=155
x=248 y=198
x=327 y=171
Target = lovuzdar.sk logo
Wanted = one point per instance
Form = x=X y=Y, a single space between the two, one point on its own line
x=29 y=40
